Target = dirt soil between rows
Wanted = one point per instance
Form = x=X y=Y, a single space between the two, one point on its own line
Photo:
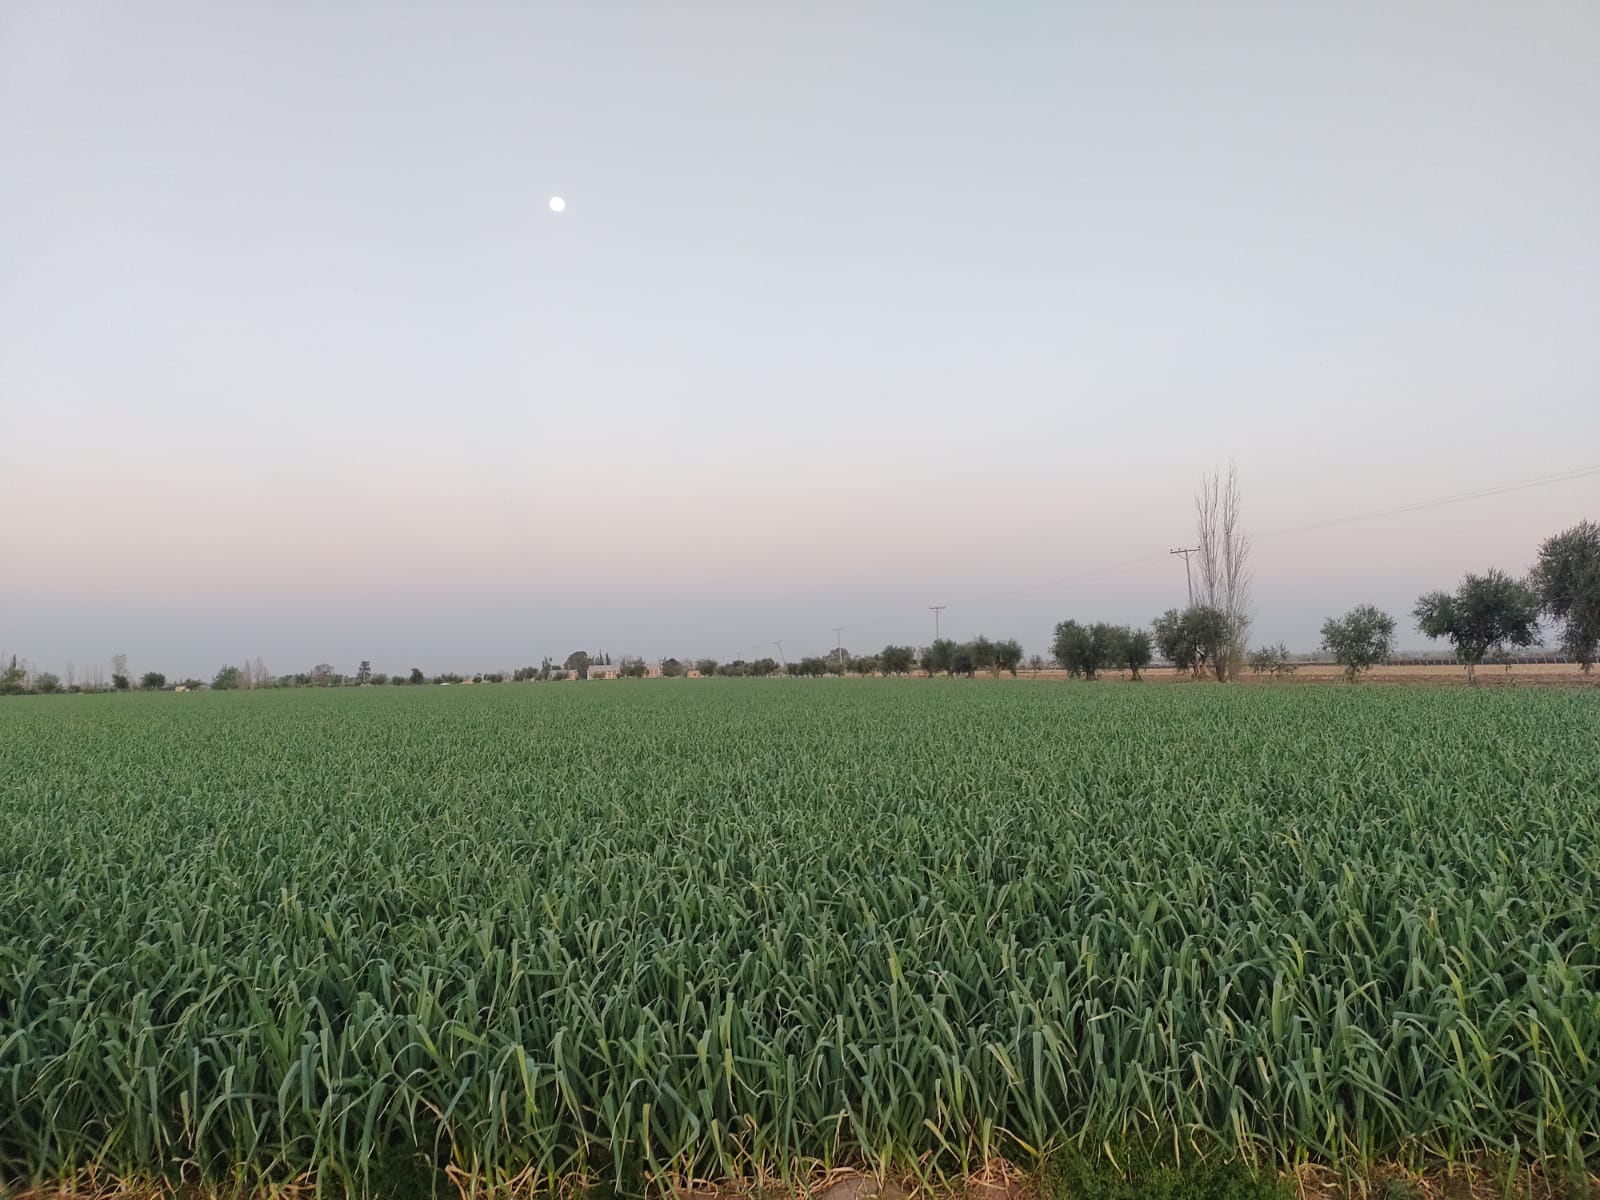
x=998 y=1181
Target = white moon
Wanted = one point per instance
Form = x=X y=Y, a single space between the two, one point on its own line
x=557 y=204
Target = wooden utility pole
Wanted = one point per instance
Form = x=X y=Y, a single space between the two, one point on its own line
x=1189 y=578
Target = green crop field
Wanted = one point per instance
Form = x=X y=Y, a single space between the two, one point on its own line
x=701 y=928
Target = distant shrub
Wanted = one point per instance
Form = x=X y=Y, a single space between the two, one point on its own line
x=1272 y=660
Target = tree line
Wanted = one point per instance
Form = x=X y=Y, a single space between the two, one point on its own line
x=1489 y=615
x=1483 y=619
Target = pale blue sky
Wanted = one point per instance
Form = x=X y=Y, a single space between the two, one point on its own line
x=854 y=309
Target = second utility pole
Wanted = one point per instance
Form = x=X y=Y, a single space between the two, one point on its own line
x=936 y=609
x=1189 y=578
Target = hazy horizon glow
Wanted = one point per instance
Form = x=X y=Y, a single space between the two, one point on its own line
x=850 y=312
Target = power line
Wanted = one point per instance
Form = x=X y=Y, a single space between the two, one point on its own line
x=1421 y=506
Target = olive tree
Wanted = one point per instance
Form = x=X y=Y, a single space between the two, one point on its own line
x=938 y=657
x=1007 y=656
x=1359 y=640
x=1088 y=649
x=897 y=660
x=983 y=654
x=1487 y=613
x=963 y=660
x=1136 y=652
x=1567 y=580
x=1191 y=638
x=1173 y=640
